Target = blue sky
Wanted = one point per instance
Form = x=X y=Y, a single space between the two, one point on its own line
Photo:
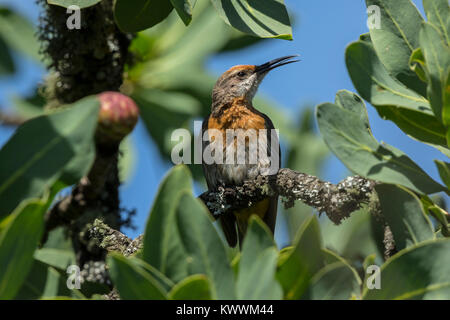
x=322 y=30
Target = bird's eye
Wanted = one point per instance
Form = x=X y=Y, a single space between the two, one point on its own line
x=241 y=73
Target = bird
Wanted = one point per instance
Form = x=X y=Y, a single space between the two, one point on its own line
x=232 y=109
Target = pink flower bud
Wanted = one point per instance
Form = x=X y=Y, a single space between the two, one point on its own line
x=117 y=118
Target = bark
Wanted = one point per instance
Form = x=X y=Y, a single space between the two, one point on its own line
x=83 y=62
x=337 y=201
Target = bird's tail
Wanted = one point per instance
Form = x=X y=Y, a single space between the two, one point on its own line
x=265 y=209
x=228 y=223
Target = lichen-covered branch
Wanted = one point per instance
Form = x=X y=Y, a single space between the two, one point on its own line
x=338 y=201
x=113 y=240
x=388 y=243
x=84 y=61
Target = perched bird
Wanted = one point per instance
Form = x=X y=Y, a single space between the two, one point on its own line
x=232 y=108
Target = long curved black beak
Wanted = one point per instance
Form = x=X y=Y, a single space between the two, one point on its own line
x=275 y=63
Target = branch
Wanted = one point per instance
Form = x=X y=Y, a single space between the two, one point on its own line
x=389 y=243
x=337 y=201
x=85 y=195
x=10 y=120
x=113 y=240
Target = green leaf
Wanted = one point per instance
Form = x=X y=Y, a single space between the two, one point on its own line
x=163 y=112
x=438 y=213
x=58 y=239
x=184 y=10
x=138 y=15
x=405 y=215
x=235 y=263
x=18 y=240
x=44 y=281
x=133 y=282
x=413 y=124
x=444 y=171
x=238 y=41
x=18 y=33
x=396 y=39
x=162 y=244
x=368 y=261
x=417 y=64
x=438 y=11
x=182 y=52
x=419 y=272
x=195 y=287
x=170 y=35
x=205 y=250
x=332 y=258
x=393 y=101
x=256 y=278
x=80 y=3
x=44 y=149
x=265 y=19
x=29 y=107
x=335 y=281
x=162 y=280
x=305 y=259
x=437 y=59
x=442 y=149
x=342 y=238
x=6 y=61
x=346 y=130
x=57 y=258
x=446 y=107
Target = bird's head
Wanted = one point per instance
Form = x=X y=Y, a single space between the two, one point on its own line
x=242 y=81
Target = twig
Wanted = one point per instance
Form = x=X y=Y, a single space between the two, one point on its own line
x=337 y=201
x=10 y=120
x=389 y=243
x=113 y=240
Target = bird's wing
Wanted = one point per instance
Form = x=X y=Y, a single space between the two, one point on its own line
x=227 y=220
x=274 y=151
x=209 y=170
x=272 y=139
